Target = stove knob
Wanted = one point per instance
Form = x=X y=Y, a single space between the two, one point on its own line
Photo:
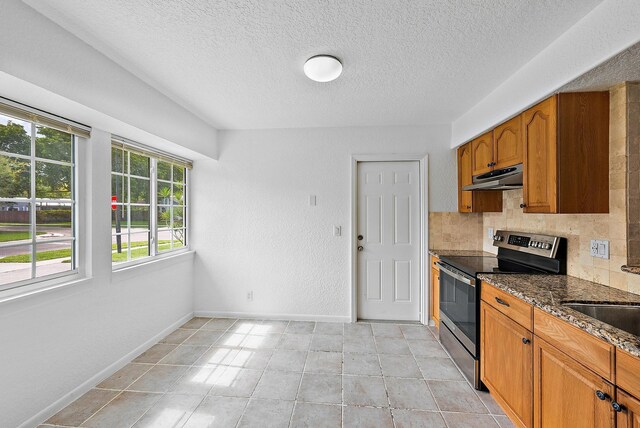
x=497 y=237
x=547 y=246
x=532 y=243
x=540 y=244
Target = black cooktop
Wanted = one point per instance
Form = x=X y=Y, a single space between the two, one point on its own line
x=473 y=265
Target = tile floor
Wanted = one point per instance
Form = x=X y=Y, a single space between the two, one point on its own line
x=245 y=373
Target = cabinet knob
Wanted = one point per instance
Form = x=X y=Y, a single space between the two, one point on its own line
x=602 y=395
x=526 y=341
x=489 y=164
x=468 y=207
x=523 y=205
x=617 y=406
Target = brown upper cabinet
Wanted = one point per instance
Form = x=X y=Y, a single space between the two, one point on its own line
x=474 y=202
x=507 y=143
x=482 y=154
x=566 y=154
x=499 y=148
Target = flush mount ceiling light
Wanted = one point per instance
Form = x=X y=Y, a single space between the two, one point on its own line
x=323 y=68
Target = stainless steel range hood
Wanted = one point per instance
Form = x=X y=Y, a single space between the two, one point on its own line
x=500 y=179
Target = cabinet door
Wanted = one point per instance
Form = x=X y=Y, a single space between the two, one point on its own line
x=435 y=295
x=564 y=392
x=540 y=186
x=507 y=145
x=465 y=199
x=629 y=416
x=506 y=367
x=482 y=154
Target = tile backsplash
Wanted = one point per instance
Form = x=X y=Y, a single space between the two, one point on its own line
x=455 y=231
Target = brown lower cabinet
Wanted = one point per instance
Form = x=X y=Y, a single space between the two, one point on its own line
x=566 y=394
x=629 y=414
x=506 y=366
x=560 y=384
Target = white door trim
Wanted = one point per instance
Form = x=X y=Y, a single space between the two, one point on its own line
x=424 y=225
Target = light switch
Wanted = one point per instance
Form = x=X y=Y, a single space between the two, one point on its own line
x=312 y=200
x=337 y=230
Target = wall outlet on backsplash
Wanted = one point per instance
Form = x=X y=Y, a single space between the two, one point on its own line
x=599 y=248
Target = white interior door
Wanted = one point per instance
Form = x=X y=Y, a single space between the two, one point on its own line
x=388 y=240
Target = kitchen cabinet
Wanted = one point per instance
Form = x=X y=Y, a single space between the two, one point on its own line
x=506 y=366
x=435 y=291
x=507 y=143
x=476 y=201
x=499 y=148
x=566 y=154
x=566 y=394
x=628 y=415
x=482 y=154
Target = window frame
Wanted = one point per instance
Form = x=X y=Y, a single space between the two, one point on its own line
x=33 y=201
x=154 y=253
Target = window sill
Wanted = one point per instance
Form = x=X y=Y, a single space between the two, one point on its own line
x=151 y=262
x=42 y=287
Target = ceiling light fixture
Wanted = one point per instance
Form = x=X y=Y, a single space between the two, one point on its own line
x=323 y=68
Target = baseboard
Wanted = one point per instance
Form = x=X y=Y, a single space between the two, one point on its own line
x=272 y=316
x=83 y=388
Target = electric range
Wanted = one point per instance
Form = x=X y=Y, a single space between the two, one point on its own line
x=518 y=252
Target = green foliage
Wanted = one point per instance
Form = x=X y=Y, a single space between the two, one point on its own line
x=14 y=139
x=41 y=256
x=53 y=216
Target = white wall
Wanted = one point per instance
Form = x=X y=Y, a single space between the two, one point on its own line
x=254 y=229
x=608 y=29
x=64 y=341
x=38 y=51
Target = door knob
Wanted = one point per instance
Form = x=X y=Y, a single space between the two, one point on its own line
x=360 y=237
x=360 y=248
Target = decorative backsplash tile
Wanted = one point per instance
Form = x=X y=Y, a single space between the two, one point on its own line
x=455 y=231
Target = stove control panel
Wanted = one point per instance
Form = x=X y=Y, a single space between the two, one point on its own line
x=533 y=243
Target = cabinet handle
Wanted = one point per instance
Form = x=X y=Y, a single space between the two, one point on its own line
x=502 y=302
x=523 y=205
x=602 y=395
x=468 y=207
x=526 y=341
x=617 y=407
x=489 y=164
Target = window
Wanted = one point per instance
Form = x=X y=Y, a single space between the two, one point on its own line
x=37 y=200
x=148 y=203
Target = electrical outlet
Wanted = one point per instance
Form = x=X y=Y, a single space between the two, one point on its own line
x=490 y=233
x=250 y=295
x=599 y=248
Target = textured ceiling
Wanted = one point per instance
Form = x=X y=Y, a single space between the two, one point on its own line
x=624 y=67
x=238 y=63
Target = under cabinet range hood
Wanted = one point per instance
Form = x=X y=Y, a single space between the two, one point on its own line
x=499 y=179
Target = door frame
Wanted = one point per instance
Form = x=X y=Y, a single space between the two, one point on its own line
x=424 y=224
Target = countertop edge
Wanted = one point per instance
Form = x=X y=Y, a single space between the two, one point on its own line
x=610 y=334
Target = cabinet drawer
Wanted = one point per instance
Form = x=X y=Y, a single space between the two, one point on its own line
x=516 y=309
x=628 y=372
x=590 y=351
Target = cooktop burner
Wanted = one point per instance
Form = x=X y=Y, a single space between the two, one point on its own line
x=473 y=265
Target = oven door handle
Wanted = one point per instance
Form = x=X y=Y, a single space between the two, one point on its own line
x=469 y=281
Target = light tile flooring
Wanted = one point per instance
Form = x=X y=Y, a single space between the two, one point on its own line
x=244 y=373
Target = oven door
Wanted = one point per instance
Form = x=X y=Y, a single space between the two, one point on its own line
x=458 y=306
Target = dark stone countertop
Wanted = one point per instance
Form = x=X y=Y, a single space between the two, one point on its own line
x=458 y=253
x=548 y=292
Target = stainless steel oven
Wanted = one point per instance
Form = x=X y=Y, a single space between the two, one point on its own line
x=459 y=329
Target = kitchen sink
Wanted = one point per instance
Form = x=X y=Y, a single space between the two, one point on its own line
x=624 y=317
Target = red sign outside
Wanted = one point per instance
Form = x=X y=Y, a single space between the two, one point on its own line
x=114 y=199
